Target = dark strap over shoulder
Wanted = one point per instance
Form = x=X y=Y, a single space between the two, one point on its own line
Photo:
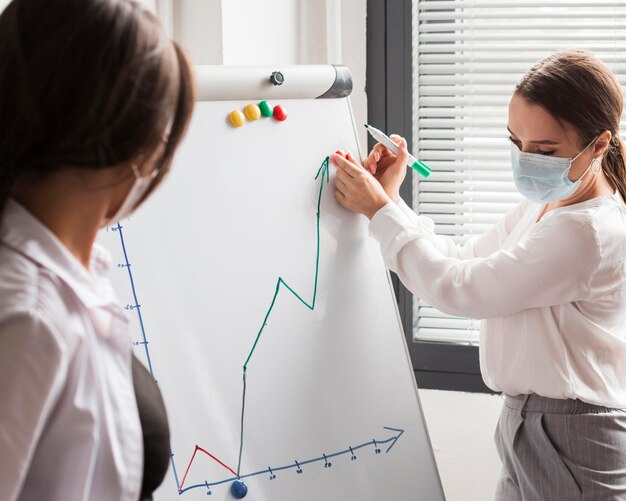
x=155 y=428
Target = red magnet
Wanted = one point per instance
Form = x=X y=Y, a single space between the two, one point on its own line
x=279 y=113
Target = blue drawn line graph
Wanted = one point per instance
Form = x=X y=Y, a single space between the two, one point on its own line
x=136 y=306
x=299 y=464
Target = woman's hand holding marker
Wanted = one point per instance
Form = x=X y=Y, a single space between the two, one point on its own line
x=387 y=167
x=356 y=188
x=366 y=189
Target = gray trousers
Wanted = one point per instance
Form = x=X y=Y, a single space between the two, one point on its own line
x=561 y=450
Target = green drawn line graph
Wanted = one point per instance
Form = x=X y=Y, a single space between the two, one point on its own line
x=323 y=171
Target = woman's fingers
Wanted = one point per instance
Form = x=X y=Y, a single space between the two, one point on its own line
x=341 y=198
x=343 y=176
x=348 y=167
x=397 y=139
x=371 y=162
x=382 y=157
x=403 y=154
x=341 y=185
x=379 y=150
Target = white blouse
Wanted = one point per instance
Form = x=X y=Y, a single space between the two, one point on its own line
x=552 y=293
x=69 y=425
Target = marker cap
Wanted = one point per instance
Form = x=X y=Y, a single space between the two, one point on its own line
x=422 y=168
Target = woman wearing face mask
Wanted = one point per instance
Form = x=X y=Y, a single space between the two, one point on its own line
x=94 y=100
x=549 y=280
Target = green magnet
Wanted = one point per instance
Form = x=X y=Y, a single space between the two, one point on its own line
x=266 y=109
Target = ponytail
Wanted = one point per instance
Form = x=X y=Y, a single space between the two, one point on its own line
x=614 y=165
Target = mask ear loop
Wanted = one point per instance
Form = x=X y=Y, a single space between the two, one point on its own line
x=596 y=166
x=135 y=171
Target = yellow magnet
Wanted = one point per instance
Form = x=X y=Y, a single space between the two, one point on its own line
x=252 y=112
x=236 y=118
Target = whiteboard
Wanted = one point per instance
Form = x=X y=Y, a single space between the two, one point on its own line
x=245 y=240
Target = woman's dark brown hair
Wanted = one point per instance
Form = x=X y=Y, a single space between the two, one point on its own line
x=577 y=88
x=88 y=84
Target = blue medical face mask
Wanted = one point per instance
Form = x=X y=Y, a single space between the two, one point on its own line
x=542 y=178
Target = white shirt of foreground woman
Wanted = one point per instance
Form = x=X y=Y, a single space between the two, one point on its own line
x=68 y=408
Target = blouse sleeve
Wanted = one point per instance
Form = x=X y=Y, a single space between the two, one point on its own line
x=32 y=368
x=479 y=246
x=552 y=266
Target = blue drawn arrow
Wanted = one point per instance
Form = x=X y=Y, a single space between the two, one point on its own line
x=271 y=471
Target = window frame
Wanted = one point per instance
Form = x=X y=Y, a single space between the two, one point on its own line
x=389 y=88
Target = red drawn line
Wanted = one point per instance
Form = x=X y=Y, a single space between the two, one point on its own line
x=198 y=448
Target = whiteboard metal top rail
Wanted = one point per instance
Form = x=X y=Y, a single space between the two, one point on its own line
x=229 y=83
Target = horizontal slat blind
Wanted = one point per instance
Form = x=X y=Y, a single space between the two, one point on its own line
x=467 y=57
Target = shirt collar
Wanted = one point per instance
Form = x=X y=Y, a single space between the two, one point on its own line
x=25 y=234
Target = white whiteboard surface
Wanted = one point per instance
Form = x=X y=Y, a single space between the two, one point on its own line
x=237 y=213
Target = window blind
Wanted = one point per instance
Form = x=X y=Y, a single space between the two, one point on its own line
x=467 y=57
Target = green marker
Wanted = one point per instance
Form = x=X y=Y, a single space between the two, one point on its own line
x=383 y=139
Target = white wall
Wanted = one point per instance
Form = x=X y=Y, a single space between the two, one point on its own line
x=261 y=33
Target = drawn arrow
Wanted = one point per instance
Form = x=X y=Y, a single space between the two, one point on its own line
x=298 y=464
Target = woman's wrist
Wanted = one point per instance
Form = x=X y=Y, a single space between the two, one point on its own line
x=377 y=206
x=393 y=192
